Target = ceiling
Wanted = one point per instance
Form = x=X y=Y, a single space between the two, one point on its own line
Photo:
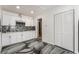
x=25 y=9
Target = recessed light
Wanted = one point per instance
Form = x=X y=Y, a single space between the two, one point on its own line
x=32 y=12
x=18 y=7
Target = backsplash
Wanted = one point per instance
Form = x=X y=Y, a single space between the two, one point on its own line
x=17 y=28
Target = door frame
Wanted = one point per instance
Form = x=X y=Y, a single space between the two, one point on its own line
x=39 y=32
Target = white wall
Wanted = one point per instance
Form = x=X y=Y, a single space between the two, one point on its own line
x=47 y=27
x=48 y=23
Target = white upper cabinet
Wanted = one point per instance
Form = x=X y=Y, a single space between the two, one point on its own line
x=9 y=18
x=28 y=20
x=13 y=21
x=6 y=39
x=6 y=20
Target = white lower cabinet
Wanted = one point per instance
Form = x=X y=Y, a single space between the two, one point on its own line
x=27 y=35
x=6 y=39
x=11 y=38
x=15 y=37
x=19 y=36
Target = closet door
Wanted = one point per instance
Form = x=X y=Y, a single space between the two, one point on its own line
x=58 y=30
x=64 y=29
x=67 y=28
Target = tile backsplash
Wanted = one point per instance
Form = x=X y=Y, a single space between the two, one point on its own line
x=17 y=28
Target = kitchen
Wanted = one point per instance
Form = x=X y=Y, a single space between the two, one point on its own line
x=16 y=28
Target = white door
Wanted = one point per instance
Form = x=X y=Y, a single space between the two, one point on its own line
x=58 y=30
x=67 y=28
x=64 y=30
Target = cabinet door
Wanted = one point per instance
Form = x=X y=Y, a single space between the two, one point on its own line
x=16 y=37
x=6 y=39
x=31 y=21
x=19 y=36
x=12 y=20
x=6 y=19
x=13 y=38
x=32 y=34
x=28 y=20
x=27 y=35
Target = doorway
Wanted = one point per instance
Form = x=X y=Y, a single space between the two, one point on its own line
x=40 y=28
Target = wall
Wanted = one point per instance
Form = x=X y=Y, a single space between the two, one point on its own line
x=47 y=27
x=48 y=23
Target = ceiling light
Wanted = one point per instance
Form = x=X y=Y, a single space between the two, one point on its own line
x=32 y=12
x=18 y=7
